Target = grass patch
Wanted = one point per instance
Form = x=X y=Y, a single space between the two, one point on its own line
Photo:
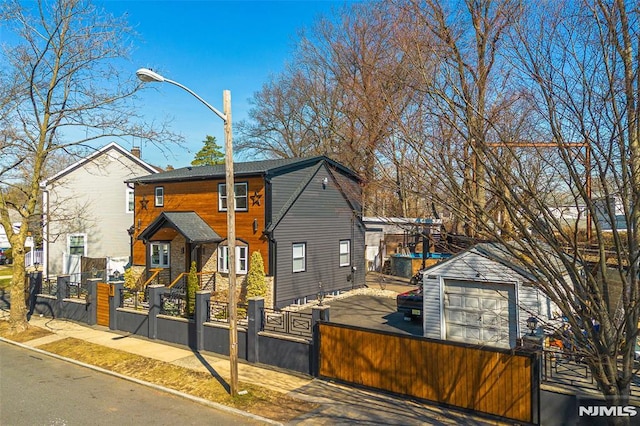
x=5 y=276
x=31 y=333
x=260 y=401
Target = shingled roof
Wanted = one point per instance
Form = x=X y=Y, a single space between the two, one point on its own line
x=262 y=167
x=189 y=224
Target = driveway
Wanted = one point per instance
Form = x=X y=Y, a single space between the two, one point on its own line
x=374 y=312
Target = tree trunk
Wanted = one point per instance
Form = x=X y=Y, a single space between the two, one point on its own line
x=18 y=313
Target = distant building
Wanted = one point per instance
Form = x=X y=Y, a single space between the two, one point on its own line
x=88 y=209
x=606 y=207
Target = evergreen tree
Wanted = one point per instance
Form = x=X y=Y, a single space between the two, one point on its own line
x=210 y=153
x=192 y=287
x=256 y=283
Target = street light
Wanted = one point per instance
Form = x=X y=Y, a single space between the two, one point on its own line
x=147 y=75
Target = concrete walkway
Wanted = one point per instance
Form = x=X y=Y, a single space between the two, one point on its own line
x=338 y=404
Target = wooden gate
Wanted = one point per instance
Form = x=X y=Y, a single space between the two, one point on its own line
x=494 y=381
x=102 y=304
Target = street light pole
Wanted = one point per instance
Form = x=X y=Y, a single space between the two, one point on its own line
x=148 y=75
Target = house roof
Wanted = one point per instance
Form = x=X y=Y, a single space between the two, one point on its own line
x=189 y=224
x=493 y=251
x=500 y=254
x=93 y=156
x=262 y=167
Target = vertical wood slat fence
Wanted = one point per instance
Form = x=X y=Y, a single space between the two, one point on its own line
x=492 y=381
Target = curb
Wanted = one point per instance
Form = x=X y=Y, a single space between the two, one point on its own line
x=202 y=401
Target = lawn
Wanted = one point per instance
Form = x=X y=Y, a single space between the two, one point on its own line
x=5 y=276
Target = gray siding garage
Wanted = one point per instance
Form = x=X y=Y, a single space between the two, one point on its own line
x=479 y=297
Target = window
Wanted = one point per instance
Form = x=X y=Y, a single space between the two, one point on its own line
x=159 y=196
x=241 y=192
x=130 y=200
x=77 y=244
x=345 y=253
x=299 y=257
x=159 y=255
x=241 y=259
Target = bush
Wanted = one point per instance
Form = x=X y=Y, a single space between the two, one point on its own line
x=256 y=283
x=129 y=279
x=192 y=288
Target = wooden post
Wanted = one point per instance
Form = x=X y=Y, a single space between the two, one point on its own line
x=231 y=243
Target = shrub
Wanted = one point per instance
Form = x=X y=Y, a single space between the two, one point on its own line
x=256 y=283
x=129 y=279
x=192 y=288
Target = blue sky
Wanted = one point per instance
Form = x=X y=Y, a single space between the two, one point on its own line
x=210 y=46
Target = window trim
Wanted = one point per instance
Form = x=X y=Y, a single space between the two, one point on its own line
x=130 y=201
x=84 y=240
x=158 y=199
x=160 y=264
x=347 y=253
x=223 y=259
x=303 y=257
x=224 y=197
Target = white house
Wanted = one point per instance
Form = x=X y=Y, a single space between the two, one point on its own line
x=480 y=296
x=88 y=209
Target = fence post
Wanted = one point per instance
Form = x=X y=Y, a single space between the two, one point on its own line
x=254 y=317
x=155 y=300
x=92 y=300
x=201 y=316
x=536 y=358
x=62 y=284
x=318 y=313
x=114 y=304
x=35 y=287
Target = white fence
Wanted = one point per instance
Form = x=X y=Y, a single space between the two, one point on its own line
x=33 y=258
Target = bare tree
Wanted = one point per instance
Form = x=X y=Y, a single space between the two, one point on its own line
x=334 y=98
x=61 y=91
x=574 y=73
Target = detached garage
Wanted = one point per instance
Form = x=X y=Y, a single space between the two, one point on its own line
x=480 y=297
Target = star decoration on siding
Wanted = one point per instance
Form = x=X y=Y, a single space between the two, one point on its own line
x=143 y=203
x=255 y=198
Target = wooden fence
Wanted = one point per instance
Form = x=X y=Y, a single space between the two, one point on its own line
x=493 y=381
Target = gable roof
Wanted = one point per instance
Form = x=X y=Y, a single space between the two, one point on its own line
x=261 y=167
x=189 y=224
x=494 y=252
x=93 y=156
x=300 y=189
x=500 y=255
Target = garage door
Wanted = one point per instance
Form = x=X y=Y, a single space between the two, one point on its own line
x=480 y=313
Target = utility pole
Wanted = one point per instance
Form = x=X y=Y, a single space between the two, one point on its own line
x=231 y=243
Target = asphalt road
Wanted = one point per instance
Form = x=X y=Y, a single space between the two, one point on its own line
x=37 y=389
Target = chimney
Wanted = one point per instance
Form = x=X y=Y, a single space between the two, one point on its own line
x=135 y=151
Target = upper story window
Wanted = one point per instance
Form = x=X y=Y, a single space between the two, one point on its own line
x=159 y=196
x=299 y=257
x=241 y=259
x=345 y=253
x=159 y=253
x=130 y=201
x=241 y=192
x=77 y=244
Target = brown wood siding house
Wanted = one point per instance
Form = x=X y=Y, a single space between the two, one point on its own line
x=179 y=219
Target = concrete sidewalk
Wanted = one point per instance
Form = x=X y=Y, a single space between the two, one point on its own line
x=338 y=404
